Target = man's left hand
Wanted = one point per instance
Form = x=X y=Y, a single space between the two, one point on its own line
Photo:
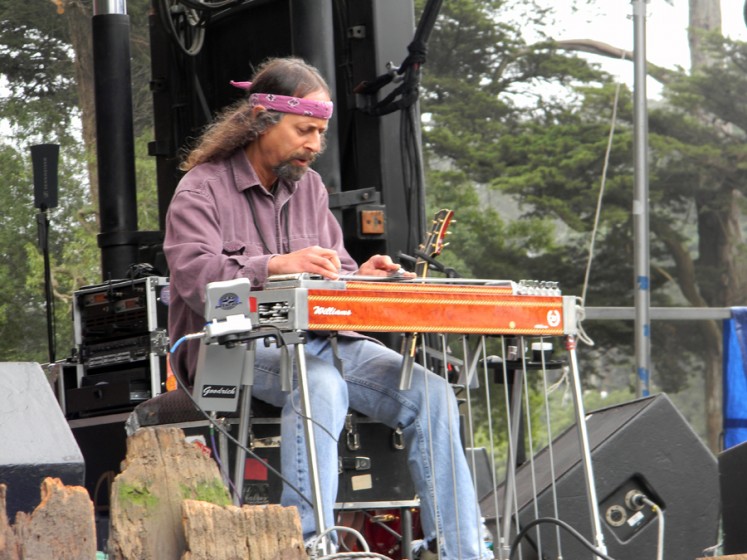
x=382 y=265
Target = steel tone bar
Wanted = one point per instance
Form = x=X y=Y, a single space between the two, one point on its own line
x=105 y=7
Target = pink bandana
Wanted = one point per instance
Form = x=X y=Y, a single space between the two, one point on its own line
x=287 y=104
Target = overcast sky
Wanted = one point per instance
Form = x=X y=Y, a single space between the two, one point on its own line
x=666 y=30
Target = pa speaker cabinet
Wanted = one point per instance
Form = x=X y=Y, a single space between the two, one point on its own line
x=35 y=440
x=103 y=442
x=645 y=446
x=732 y=464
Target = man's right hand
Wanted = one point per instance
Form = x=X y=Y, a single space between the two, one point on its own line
x=314 y=260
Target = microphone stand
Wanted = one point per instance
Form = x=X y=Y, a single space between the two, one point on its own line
x=42 y=219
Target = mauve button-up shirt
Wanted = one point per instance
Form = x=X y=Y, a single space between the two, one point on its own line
x=211 y=235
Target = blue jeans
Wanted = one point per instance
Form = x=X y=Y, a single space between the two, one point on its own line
x=427 y=413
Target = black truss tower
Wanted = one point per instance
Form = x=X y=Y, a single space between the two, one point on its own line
x=350 y=41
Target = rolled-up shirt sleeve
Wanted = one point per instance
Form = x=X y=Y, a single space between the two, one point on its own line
x=197 y=252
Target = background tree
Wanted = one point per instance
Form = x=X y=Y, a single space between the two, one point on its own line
x=524 y=118
x=46 y=71
x=490 y=97
x=492 y=125
x=704 y=108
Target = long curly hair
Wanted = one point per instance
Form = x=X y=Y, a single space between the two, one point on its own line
x=235 y=127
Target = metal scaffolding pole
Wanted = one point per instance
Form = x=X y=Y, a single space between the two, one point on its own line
x=640 y=204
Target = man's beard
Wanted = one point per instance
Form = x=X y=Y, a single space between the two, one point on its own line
x=288 y=170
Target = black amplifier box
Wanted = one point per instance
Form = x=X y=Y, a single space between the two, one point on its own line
x=372 y=466
x=109 y=392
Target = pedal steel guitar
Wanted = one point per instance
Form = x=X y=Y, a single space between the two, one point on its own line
x=485 y=307
x=301 y=302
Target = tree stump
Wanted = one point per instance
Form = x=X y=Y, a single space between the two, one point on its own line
x=251 y=532
x=8 y=549
x=161 y=469
x=170 y=503
x=61 y=527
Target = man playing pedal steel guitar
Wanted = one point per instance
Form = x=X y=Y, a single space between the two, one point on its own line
x=250 y=206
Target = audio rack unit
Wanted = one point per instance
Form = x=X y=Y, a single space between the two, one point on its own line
x=120 y=345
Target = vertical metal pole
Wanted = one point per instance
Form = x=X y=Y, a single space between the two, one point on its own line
x=42 y=219
x=245 y=410
x=406 y=516
x=640 y=205
x=583 y=441
x=114 y=137
x=316 y=491
x=44 y=158
x=514 y=416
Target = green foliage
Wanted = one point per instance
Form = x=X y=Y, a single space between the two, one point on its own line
x=39 y=104
x=480 y=230
x=547 y=410
x=19 y=311
x=147 y=192
x=36 y=63
x=73 y=256
x=532 y=124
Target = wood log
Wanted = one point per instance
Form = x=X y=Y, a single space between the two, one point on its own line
x=8 y=548
x=160 y=471
x=267 y=532
x=61 y=527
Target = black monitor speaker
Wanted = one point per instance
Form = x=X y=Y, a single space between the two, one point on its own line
x=732 y=466
x=641 y=446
